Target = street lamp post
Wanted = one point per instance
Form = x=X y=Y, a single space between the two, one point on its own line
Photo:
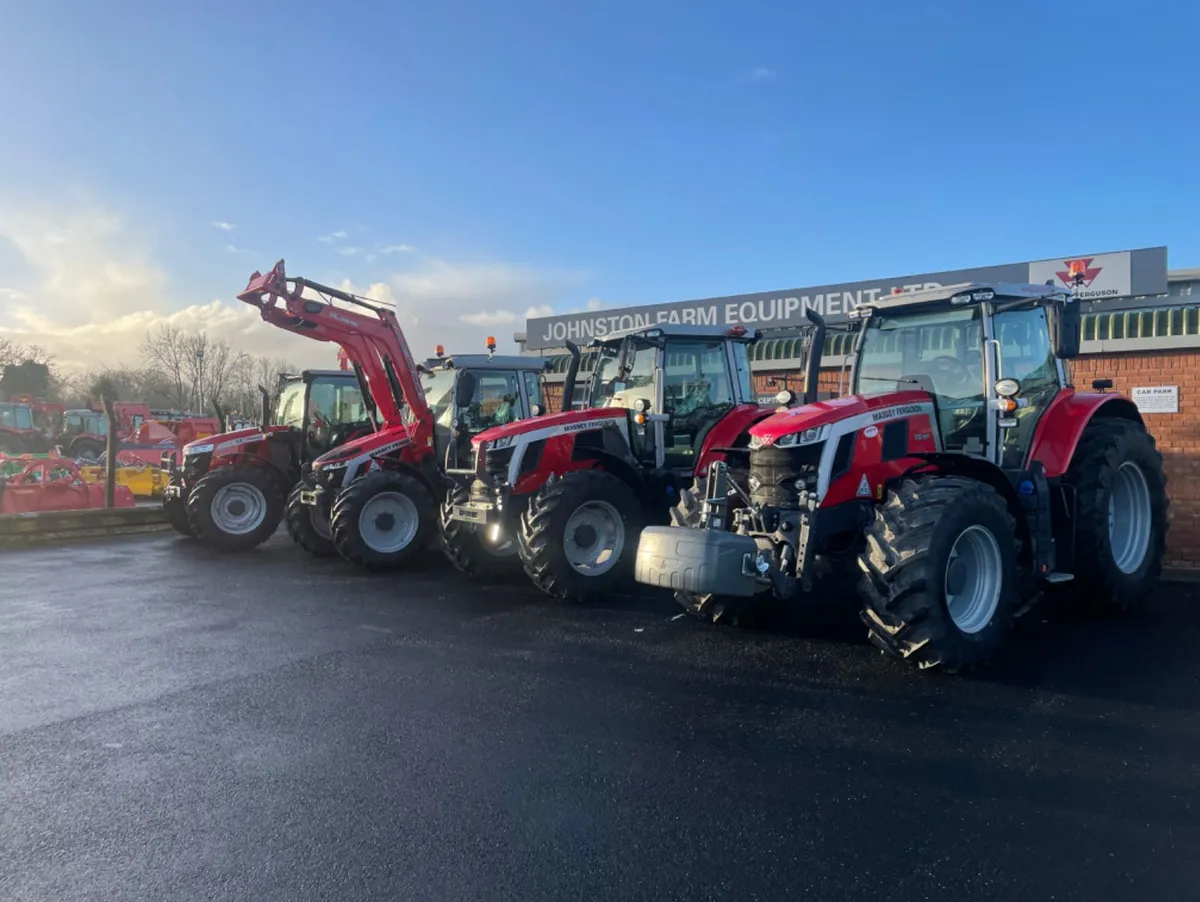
x=199 y=380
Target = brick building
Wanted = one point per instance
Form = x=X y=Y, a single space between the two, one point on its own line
x=1142 y=329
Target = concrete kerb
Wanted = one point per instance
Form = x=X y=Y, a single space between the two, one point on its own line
x=58 y=526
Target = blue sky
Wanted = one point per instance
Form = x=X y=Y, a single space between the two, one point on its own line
x=621 y=151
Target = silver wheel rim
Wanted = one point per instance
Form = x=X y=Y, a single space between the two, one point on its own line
x=388 y=522
x=974 y=578
x=238 y=509
x=594 y=538
x=1129 y=517
x=320 y=522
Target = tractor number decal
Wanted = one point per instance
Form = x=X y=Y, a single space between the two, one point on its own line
x=905 y=411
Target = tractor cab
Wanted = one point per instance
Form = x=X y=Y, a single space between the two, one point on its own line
x=468 y=393
x=83 y=421
x=677 y=382
x=990 y=356
x=326 y=407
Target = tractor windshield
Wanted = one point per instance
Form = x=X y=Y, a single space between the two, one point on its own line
x=939 y=352
x=438 y=386
x=289 y=409
x=635 y=380
x=338 y=402
x=16 y=416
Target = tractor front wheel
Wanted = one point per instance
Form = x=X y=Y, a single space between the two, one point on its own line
x=578 y=537
x=88 y=449
x=308 y=525
x=1120 y=514
x=381 y=521
x=940 y=578
x=175 y=510
x=236 y=507
x=467 y=548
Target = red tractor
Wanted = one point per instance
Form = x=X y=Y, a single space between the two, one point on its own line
x=573 y=490
x=28 y=425
x=373 y=500
x=963 y=479
x=231 y=489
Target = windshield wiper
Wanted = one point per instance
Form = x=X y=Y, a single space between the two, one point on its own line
x=885 y=379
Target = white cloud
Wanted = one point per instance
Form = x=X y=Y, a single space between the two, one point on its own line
x=224 y=226
x=397 y=249
x=90 y=289
x=349 y=251
x=332 y=237
x=240 y=250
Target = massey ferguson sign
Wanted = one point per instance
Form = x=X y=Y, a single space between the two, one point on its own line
x=1093 y=277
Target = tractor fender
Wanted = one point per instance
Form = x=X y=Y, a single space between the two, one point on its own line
x=981 y=470
x=732 y=430
x=1061 y=426
x=601 y=459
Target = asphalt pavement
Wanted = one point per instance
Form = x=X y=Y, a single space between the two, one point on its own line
x=175 y=724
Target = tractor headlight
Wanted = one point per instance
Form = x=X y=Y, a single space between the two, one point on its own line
x=198 y=449
x=807 y=437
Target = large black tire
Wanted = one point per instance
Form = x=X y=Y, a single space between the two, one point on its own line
x=373 y=551
x=465 y=548
x=307 y=526
x=88 y=449
x=249 y=487
x=906 y=567
x=542 y=532
x=175 y=510
x=1104 y=579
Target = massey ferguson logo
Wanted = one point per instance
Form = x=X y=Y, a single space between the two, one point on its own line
x=582 y=427
x=890 y=412
x=1079 y=273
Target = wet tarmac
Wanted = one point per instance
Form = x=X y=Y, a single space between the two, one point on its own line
x=179 y=725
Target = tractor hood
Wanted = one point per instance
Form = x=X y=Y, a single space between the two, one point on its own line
x=373 y=444
x=822 y=413
x=227 y=440
x=561 y=422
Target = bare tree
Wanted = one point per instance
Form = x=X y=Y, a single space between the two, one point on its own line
x=166 y=352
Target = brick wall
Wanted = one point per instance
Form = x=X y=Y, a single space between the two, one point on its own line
x=1177 y=434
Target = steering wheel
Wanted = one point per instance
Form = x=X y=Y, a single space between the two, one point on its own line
x=952 y=369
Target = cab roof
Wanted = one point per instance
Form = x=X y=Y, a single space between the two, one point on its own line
x=676 y=330
x=970 y=292
x=487 y=362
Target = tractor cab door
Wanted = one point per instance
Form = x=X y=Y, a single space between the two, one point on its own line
x=627 y=375
x=703 y=379
x=1024 y=352
x=334 y=412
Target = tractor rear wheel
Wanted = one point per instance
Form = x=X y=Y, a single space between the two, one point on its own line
x=940 y=579
x=381 y=521
x=578 y=537
x=175 y=510
x=237 y=507
x=88 y=449
x=308 y=525
x=467 y=548
x=1120 y=514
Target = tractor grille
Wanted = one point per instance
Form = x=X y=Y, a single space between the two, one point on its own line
x=496 y=463
x=778 y=474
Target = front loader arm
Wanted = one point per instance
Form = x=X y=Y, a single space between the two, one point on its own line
x=376 y=341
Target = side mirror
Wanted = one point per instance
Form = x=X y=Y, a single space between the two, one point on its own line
x=1066 y=327
x=464 y=388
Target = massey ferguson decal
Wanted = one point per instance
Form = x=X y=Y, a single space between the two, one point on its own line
x=888 y=413
x=584 y=427
x=238 y=442
x=389 y=447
